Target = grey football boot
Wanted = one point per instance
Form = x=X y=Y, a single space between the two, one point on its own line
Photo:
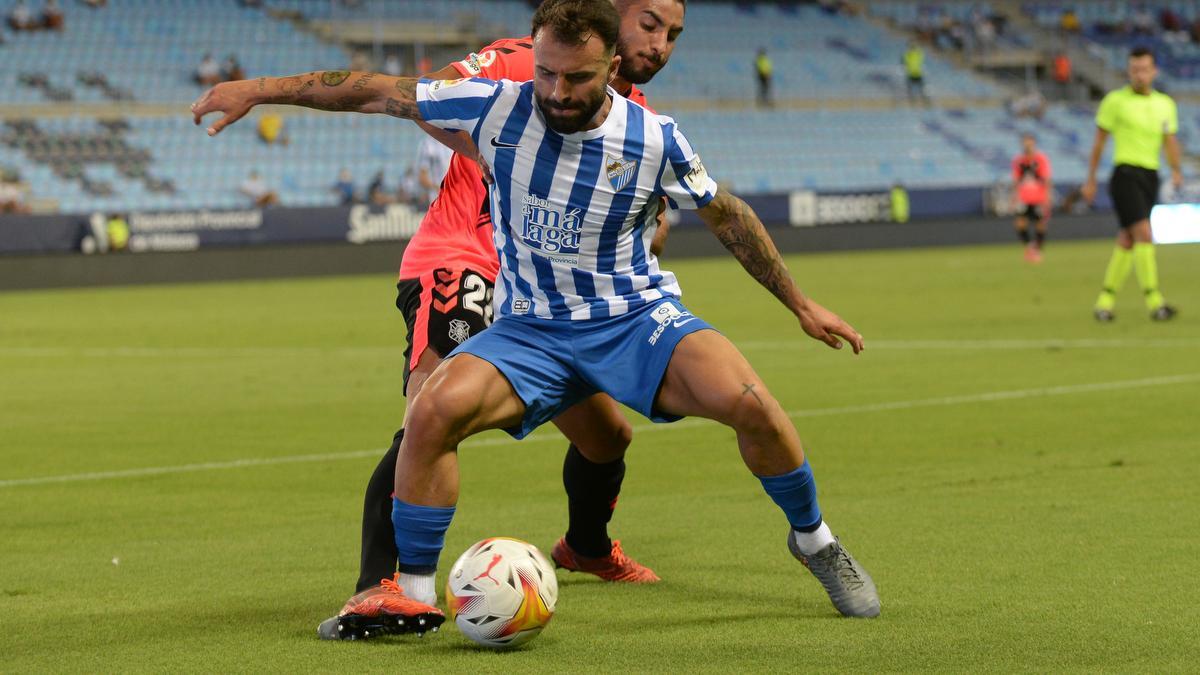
x=848 y=584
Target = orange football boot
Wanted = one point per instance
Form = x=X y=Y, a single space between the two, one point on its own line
x=616 y=566
x=381 y=610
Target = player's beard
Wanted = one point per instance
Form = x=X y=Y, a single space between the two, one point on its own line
x=637 y=69
x=578 y=115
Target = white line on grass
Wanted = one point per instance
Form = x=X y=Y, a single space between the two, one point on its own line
x=941 y=345
x=984 y=397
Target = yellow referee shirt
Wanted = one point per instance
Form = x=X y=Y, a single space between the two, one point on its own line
x=1137 y=123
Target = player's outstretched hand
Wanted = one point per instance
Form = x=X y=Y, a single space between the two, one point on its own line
x=822 y=324
x=234 y=99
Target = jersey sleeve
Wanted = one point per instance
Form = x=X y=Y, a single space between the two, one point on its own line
x=455 y=104
x=1043 y=168
x=1106 y=115
x=501 y=60
x=1171 y=126
x=684 y=181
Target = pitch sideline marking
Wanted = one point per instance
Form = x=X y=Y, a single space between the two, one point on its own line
x=984 y=397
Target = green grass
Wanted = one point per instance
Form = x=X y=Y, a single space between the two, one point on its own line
x=1047 y=531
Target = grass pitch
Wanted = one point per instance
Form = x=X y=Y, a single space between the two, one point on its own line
x=183 y=466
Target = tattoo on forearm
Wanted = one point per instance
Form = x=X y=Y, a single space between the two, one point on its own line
x=262 y=84
x=361 y=83
x=287 y=86
x=749 y=389
x=405 y=105
x=404 y=109
x=332 y=78
x=742 y=233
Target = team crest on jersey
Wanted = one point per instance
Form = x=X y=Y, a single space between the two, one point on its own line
x=459 y=330
x=620 y=171
x=550 y=230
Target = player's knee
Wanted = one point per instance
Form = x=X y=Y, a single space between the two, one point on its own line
x=619 y=438
x=758 y=414
x=437 y=414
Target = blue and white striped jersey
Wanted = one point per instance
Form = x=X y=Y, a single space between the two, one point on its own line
x=574 y=214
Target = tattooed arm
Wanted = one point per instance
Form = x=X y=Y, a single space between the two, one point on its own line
x=335 y=90
x=739 y=230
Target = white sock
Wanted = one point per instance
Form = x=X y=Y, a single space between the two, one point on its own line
x=811 y=542
x=419 y=587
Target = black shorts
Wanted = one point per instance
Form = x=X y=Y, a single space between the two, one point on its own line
x=441 y=309
x=1134 y=190
x=1032 y=212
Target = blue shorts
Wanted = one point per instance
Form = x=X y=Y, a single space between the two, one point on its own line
x=554 y=364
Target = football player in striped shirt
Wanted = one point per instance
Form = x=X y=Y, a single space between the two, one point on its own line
x=583 y=305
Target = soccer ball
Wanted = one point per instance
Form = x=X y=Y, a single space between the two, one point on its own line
x=501 y=592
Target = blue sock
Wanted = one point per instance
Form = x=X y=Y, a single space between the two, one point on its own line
x=796 y=494
x=420 y=535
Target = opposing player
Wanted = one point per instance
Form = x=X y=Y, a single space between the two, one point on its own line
x=1031 y=187
x=584 y=307
x=1142 y=122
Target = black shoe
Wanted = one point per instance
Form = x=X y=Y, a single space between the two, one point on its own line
x=359 y=627
x=1164 y=312
x=1104 y=315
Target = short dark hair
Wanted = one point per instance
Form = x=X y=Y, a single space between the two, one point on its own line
x=575 y=21
x=1140 y=51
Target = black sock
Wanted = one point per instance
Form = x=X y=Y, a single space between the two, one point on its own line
x=378 y=537
x=592 y=491
x=1040 y=238
x=1023 y=235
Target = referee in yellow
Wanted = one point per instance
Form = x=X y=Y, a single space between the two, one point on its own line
x=1142 y=122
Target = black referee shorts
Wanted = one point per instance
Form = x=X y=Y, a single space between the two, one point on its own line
x=1134 y=190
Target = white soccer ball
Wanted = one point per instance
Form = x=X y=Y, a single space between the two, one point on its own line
x=501 y=592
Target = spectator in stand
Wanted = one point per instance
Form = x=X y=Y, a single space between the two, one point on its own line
x=232 y=70
x=376 y=192
x=914 y=72
x=10 y=197
x=344 y=187
x=764 y=70
x=270 y=129
x=52 y=16
x=1031 y=104
x=433 y=160
x=1061 y=72
x=1170 y=21
x=20 y=18
x=392 y=65
x=1142 y=21
x=1069 y=23
x=208 y=73
x=256 y=189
